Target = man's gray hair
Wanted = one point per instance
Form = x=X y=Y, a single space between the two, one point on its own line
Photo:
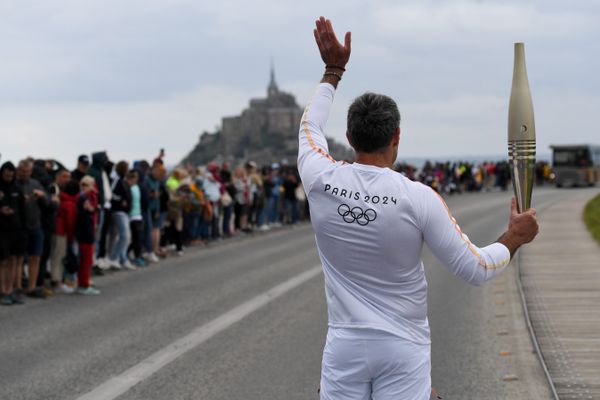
x=26 y=163
x=372 y=121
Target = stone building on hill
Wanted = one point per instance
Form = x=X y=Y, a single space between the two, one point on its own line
x=265 y=132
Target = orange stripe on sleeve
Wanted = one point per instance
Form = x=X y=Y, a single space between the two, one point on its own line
x=482 y=261
x=311 y=142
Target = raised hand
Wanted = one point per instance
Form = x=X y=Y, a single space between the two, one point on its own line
x=333 y=53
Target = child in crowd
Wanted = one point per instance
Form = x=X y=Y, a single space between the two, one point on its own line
x=84 y=232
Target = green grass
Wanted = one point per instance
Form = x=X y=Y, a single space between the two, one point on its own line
x=591 y=216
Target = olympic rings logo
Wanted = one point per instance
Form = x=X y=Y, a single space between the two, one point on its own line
x=349 y=215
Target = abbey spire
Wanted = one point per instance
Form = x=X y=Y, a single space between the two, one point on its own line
x=272 y=90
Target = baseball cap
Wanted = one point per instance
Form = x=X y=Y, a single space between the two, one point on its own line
x=83 y=159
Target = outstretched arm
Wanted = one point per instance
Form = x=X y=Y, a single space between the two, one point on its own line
x=313 y=152
x=454 y=249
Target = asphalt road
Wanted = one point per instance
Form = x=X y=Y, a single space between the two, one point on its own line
x=68 y=346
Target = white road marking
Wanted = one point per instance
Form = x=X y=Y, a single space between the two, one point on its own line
x=117 y=385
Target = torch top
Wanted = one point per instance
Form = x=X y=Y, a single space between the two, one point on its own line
x=521 y=126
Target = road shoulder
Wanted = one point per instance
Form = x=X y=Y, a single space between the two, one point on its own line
x=560 y=272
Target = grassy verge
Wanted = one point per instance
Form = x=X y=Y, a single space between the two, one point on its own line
x=591 y=216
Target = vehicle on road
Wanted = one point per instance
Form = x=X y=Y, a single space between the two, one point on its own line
x=576 y=165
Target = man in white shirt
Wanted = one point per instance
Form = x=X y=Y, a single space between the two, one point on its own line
x=370 y=224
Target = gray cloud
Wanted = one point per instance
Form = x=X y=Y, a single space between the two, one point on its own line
x=101 y=74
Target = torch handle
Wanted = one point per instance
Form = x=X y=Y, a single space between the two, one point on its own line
x=521 y=158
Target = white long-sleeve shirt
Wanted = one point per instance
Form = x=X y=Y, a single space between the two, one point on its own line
x=370 y=225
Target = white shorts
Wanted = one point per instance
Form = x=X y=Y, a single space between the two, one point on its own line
x=361 y=364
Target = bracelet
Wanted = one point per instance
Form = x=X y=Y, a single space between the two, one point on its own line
x=336 y=66
x=334 y=74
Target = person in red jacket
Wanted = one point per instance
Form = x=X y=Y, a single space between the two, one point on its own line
x=84 y=233
x=64 y=236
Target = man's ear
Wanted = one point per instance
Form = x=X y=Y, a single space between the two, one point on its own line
x=396 y=137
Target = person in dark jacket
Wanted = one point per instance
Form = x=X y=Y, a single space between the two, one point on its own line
x=102 y=262
x=153 y=184
x=164 y=198
x=290 y=183
x=36 y=199
x=120 y=207
x=83 y=165
x=97 y=171
x=226 y=181
x=12 y=236
x=43 y=173
x=84 y=233
x=143 y=169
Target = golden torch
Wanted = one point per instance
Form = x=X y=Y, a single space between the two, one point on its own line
x=521 y=133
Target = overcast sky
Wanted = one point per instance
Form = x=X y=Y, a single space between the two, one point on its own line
x=131 y=76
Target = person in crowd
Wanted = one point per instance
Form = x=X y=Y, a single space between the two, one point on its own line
x=84 y=232
x=267 y=179
x=61 y=177
x=104 y=193
x=193 y=209
x=206 y=217
x=490 y=171
x=120 y=208
x=242 y=199
x=154 y=184
x=83 y=166
x=102 y=251
x=12 y=234
x=159 y=159
x=43 y=172
x=502 y=175
x=144 y=171
x=64 y=235
x=227 y=200
x=36 y=199
x=174 y=222
x=213 y=190
x=290 y=184
x=164 y=198
x=174 y=180
x=136 y=219
x=257 y=197
x=273 y=204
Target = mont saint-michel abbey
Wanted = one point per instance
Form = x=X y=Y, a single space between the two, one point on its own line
x=265 y=132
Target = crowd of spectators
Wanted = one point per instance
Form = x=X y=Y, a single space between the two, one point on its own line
x=461 y=176
x=58 y=228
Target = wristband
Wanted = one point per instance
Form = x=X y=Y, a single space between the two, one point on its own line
x=333 y=74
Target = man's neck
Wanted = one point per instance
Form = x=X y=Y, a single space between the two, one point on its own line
x=381 y=160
